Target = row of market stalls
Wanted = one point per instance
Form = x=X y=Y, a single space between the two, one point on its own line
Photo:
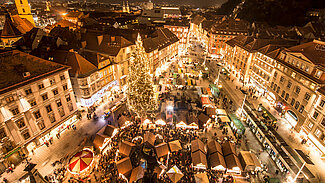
x=281 y=153
x=222 y=157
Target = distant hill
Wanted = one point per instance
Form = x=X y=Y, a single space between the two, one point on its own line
x=274 y=12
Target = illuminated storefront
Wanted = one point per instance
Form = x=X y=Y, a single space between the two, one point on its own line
x=98 y=95
x=291 y=117
x=58 y=130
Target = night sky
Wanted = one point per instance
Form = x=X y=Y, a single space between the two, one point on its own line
x=200 y=3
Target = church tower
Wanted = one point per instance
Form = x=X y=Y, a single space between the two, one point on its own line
x=24 y=11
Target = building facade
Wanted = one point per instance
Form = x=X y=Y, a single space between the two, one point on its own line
x=37 y=103
x=181 y=30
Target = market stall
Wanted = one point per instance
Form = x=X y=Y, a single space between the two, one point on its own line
x=81 y=163
x=162 y=150
x=201 y=178
x=124 y=166
x=198 y=145
x=249 y=161
x=126 y=147
x=217 y=161
x=137 y=174
x=233 y=164
x=214 y=146
x=175 y=174
x=199 y=160
x=174 y=146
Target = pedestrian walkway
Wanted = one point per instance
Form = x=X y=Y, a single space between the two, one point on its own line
x=67 y=145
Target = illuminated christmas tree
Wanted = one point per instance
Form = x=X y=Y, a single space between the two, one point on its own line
x=140 y=92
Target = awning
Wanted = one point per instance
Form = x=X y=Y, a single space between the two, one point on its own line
x=181 y=124
x=205 y=101
x=237 y=123
x=221 y=112
x=224 y=119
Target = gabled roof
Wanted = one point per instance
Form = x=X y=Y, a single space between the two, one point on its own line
x=9 y=29
x=74 y=14
x=15 y=63
x=314 y=51
x=107 y=44
x=79 y=65
x=22 y=24
x=230 y=24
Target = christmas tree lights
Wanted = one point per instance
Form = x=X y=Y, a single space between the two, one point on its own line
x=140 y=94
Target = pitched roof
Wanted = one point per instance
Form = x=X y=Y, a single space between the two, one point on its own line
x=230 y=24
x=314 y=51
x=9 y=29
x=107 y=44
x=79 y=65
x=22 y=24
x=198 y=19
x=15 y=63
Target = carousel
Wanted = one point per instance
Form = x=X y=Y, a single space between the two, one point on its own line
x=81 y=164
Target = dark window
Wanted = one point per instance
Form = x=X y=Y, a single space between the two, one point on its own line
x=41 y=125
x=37 y=114
x=65 y=87
x=315 y=115
x=297 y=105
x=281 y=79
x=283 y=93
x=41 y=86
x=10 y=99
x=289 y=84
x=48 y=108
x=62 y=77
x=278 y=89
x=59 y=103
x=15 y=111
x=55 y=91
x=20 y=123
x=28 y=91
x=322 y=103
x=68 y=98
x=70 y=106
x=287 y=97
x=2 y=133
x=44 y=97
x=52 y=118
x=307 y=96
x=52 y=81
x=26 y=135
x=32 y=102
x=293 y=101
x=297 y=90
x=275 y=74
x=61 y=112
x=323 y=122
x=301 y=110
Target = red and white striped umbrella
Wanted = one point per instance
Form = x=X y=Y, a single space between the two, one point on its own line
x=80 y=161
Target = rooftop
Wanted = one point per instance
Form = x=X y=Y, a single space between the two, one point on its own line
x=15 y=63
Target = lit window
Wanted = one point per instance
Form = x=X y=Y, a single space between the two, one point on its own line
x=15 y=111
x=322 y=103
x=37 y=115
x=32 y=102
x=48 y=108
x=28 y=91
x=45 y=97
x=41 y=86
x=20 y=123
x=310 y=125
